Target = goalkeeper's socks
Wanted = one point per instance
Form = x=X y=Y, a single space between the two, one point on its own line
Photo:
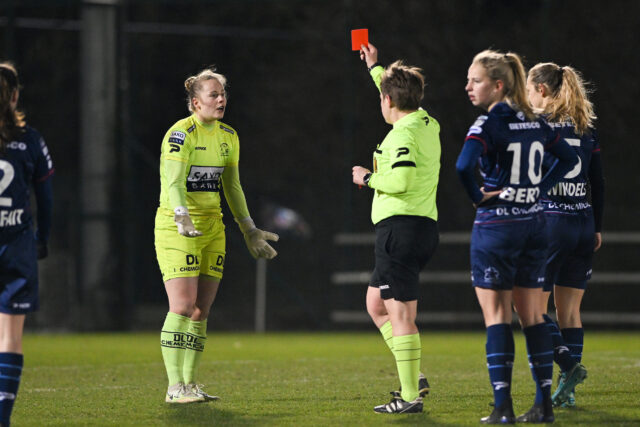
x=173 y=343
x=196 y=337
x=10 y=371
x=574 y=337
x=540 y=349
x=561 y=353
x=500 y=350
x=407 y=350
x=387 y=334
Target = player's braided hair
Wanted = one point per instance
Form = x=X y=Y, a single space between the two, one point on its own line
x=569 y=95
x=193 y=84
x=508 y=68
x=11 y=120
x=404 y=85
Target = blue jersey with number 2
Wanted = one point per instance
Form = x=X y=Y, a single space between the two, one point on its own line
x=24 y=162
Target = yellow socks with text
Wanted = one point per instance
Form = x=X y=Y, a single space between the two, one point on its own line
x=196 y=337
x=407 y=350
x=173 y=344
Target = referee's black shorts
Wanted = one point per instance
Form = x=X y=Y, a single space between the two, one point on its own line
x=404 y=244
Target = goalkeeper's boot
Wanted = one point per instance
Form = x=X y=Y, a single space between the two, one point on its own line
x=538 y=414
x=399 y=406
x=198 y=391
x=178 y=393
x=502 y=414
x=423 y=386
x=571 y=401
x=568 y=381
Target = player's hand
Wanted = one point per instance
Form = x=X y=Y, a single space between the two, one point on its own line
x=256 y=240
x=486 y=195
x=42 y=250
x=369 y=54
x=598 y=242
x=183 y=221
x=358 y=173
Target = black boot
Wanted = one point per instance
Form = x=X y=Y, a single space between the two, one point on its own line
x=501 y=415
x=539 y=413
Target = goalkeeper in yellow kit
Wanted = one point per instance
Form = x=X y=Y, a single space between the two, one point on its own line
x=199 y=157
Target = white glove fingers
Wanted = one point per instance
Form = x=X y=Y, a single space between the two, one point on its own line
x=267 y=235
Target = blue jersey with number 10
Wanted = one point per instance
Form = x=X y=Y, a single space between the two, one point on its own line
x=512 y=155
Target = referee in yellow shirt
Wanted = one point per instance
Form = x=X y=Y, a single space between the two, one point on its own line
x=405 y=173
x=199 y=156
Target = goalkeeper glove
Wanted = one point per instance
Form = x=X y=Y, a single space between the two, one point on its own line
x=256 y=239
x=183 y=221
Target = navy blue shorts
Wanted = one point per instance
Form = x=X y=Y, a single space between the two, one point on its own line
x=570 y=254
x=19 y=275
x=404 y=244
x=509 y=254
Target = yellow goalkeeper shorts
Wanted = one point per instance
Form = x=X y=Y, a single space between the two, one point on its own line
x=180 y=256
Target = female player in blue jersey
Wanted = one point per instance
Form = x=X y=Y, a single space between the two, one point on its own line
x=508 y=242
x=24 y=163
x=573 y=223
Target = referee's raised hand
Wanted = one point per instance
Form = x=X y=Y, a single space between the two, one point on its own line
x=369 y=54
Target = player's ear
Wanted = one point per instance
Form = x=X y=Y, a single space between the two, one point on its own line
x=543 y=90
x=499 y=85
x=14 y=96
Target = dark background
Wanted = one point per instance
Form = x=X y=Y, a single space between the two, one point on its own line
x=306 y=111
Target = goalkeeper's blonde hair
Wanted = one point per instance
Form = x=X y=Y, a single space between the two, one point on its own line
x=193 y=84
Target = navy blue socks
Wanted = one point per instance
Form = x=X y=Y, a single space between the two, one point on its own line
x=500 y=353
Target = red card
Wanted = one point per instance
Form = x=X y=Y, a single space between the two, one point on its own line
x=358 y=38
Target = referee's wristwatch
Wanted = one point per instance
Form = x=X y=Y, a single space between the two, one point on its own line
x=366 y=178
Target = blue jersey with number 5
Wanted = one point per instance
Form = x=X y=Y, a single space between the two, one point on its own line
x=570 y=193
x=23 y=163
x=512 y=154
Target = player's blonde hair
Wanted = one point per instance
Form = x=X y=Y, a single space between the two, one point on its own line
x=569 y=95
x=11 y=120
x=193 y=84
x=508 y=68
x=404 y=84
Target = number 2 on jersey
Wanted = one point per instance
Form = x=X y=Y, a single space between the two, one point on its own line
x=7 y=177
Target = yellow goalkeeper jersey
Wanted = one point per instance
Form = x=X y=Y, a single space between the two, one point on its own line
x=192 y=161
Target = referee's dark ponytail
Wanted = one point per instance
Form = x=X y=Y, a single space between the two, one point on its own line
x=11 y=120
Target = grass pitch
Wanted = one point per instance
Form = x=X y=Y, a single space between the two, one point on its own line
x=296 y=379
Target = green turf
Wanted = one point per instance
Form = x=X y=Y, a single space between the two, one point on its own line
x=301 y=379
